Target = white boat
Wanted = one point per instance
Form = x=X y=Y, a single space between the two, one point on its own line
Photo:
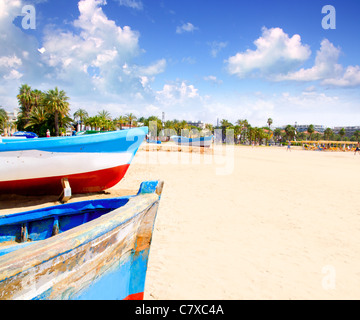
x=90 y=163
x=197 y=142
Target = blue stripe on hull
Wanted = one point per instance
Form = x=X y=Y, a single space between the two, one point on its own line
x=127 y=279
x=116 y=141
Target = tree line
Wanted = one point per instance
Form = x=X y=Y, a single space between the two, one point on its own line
x=43 y=110
x=245 y=133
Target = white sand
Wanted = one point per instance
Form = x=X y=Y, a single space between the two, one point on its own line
x=256 y=223
x=281 y=225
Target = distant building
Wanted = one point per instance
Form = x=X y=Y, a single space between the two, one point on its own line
x=304 y=127
x=198 y=124
x=349 y=131
x=12 y=118
x=13 y=115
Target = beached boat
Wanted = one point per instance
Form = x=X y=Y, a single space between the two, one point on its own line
x=27 y=135
x=91 y=163
x=153 y=141
x=92 y=250
x=197 y=142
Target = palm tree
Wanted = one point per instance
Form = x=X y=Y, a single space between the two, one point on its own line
x=342 y=132
x=91 y=122
x=130 y=118
x=154 y=124
x=37 y=117
x=356 y=135
x=328 y=133
x=25 y=101
x=277 y=134
x=269 y=122
x=209 y=127
x=225 y=124
x=120 y=121
x=37 y=98
x=301 y=136
x=81 y=114
x=250 y=132
x=290 y=132
x=311 y=130
x=104 y=117
x=24 y=98
x=243 y=124
x=3 y=114
x=57 y=102
x=258 y=134
x=3 y=120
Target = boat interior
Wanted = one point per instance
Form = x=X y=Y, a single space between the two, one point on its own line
x=22 y=229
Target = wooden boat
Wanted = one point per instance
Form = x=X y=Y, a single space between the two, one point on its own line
x=153 y=141
x=27 y=135
x=197 y=142
x=91 y=163
x=89 y=250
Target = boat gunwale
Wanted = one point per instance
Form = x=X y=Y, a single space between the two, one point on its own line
x=45 y=250
x=42 y=144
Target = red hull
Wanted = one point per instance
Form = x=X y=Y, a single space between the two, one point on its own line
x=80 y=183
x=135 y=296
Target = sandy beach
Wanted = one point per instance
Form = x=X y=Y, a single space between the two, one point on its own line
x=250 y=223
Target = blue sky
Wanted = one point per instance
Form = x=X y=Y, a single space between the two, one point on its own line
x=192 y=59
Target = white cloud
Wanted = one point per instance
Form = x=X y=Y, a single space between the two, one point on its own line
x=10 y=61
x=275 y=52
x=325 y=65
x=100 y=44
x=18 y=53
x=277 y=55
x=153 y=69
x=8 y=7
x=98 y=55
x=145 y=74
x=350 y=78
x=216 y=47
x=327 y=69
x=308 y=100
x=213 y=79
x=13 y=75
x=86 y=59
x=189 y=60
x=176 y=93
x=134 y=4
x=186 y=27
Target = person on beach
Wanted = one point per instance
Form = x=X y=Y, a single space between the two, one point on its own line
x=48 y=133
x=357 y=148
x=288 y=147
